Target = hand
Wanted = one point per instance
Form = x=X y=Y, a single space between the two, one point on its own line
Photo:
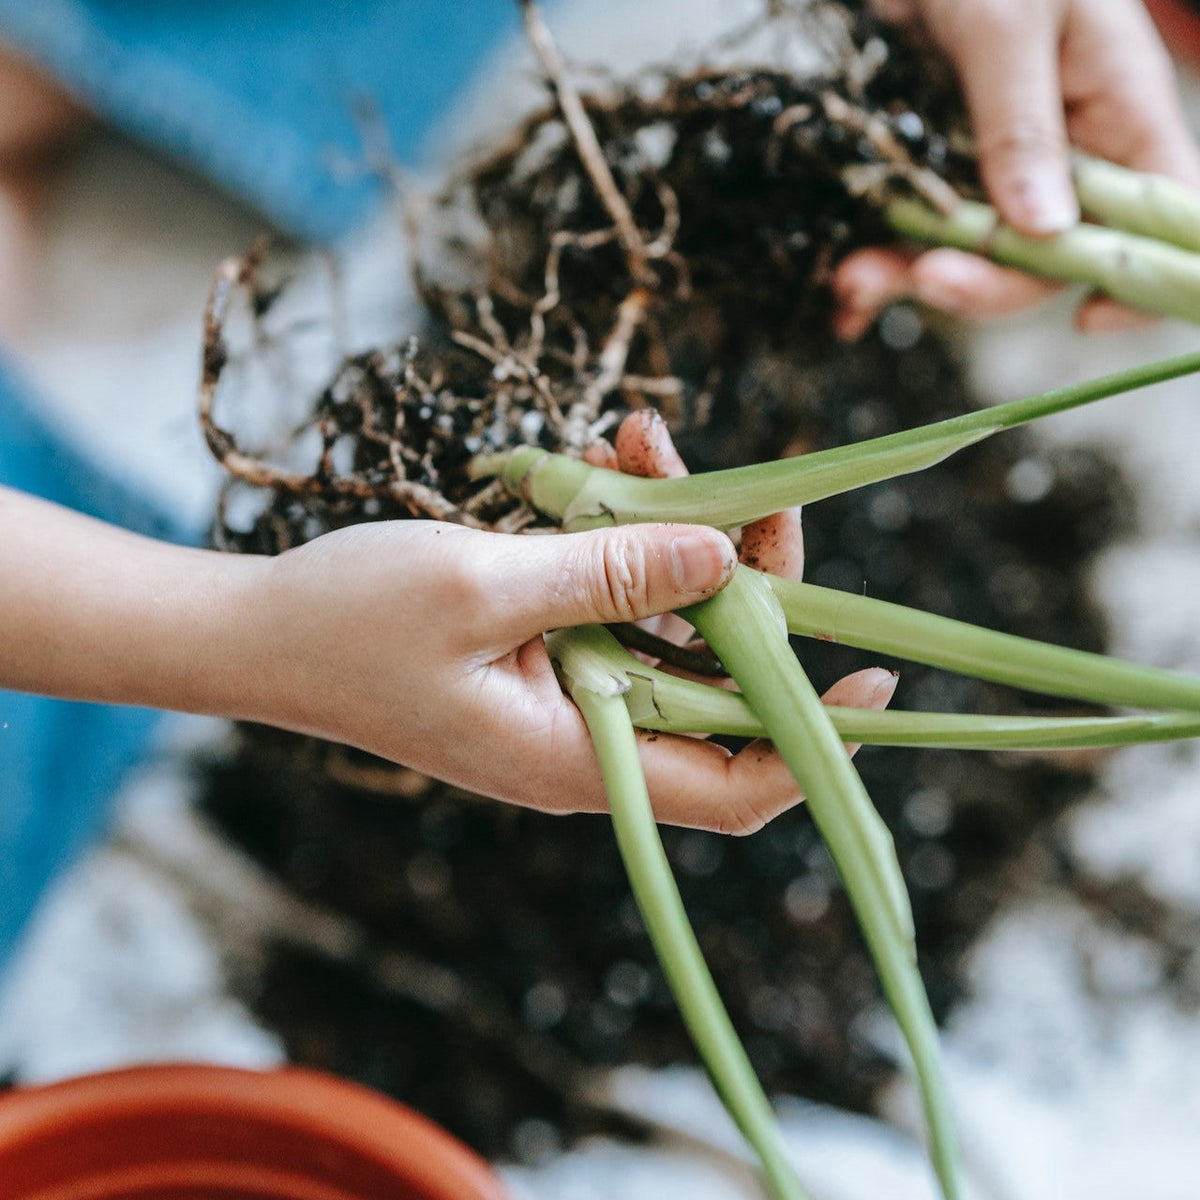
x=774 y=544
x=414 y=640
x=421 y=642
x=417 y=641
x=1039 y=75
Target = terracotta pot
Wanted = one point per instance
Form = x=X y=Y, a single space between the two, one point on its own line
x=217 y=1133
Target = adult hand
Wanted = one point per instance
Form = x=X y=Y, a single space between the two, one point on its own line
x=422 y=643
x=1039 y=75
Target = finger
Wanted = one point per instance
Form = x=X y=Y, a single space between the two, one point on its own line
x=864 y=283
x=1123 y=99
x=872 y=688
x=1006 y=55
x=702 y=785
x=775 y=544
x=691 y=782
x=601 y=454
x=1099 y=314
x=950 y=281
x=644 y=447
x=620 y=574
x=953 y=281
x=535 y=750
x=755 y=785
x=671 y=627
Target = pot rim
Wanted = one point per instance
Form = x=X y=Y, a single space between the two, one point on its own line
x=298 y=1100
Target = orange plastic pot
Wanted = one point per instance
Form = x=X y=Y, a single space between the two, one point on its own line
x=217 y=1133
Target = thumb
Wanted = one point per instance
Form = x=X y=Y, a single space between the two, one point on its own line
x=1007 y=59
x=604 y=575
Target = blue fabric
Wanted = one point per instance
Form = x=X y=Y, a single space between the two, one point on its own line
x=260 y=95
x=59 y=762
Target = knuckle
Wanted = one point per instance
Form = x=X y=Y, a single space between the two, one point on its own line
x=741 y=819
x=1020 y=140
x=464 y=587
x=954 y=24
x=624 y=579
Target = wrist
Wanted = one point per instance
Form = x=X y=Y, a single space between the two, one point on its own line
x=272 y=623
x=95 y=613
x=211 y=652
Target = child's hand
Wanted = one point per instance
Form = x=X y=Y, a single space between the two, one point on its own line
x=422 y=643
x=774 y=544
x=1039 y=75
x=415 y=640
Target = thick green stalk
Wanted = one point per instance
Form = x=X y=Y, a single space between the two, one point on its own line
x=666 y=703
x=745 y=626
x=1151 y=205
x=1139 y=271
x=584 y=497
x=983 y=653
x=674 y=942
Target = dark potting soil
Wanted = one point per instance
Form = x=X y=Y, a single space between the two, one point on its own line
x=544 y=963
x=499 y=956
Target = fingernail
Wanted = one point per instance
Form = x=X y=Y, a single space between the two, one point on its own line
x=943 y=294
x=1043 y=202
x=885 y=689
x=1105 y=317
x=948 y=280
x=701 y=562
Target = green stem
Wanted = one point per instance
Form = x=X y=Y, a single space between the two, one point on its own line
x=668 y=704
x=585 y=497
x=1152 y=205
x=1139 y=271
x=678 y=951
x=1000 y=657
x=745 y=626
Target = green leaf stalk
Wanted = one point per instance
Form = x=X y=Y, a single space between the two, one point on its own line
x=747 y=624
x=1137 y=270
x=744 y=624
x=587 y=497
x=598 y=693
x=669 y=704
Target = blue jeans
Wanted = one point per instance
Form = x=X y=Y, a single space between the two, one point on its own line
x=59 y=761
x=265 y=97
x=260 y=97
